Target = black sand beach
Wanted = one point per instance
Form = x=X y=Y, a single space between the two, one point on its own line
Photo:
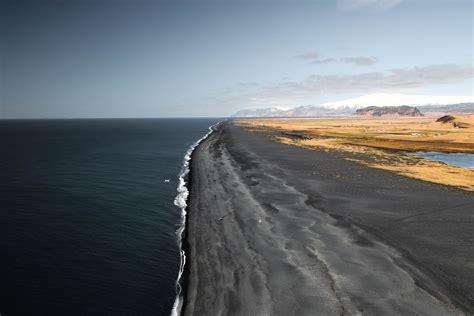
x=279 y=230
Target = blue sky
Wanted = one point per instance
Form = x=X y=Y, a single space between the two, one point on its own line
x=85 y=58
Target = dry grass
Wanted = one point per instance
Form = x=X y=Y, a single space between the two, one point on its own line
x=382 y=143
x=409 y=134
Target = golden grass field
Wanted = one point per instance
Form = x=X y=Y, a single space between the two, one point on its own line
x=383 y=143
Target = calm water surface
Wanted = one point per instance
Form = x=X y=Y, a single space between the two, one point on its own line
x=453 y=159
x=87 y=223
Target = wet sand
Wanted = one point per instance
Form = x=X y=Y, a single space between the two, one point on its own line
x=279 y=230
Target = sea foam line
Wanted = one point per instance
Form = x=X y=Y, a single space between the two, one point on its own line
x=180 y=201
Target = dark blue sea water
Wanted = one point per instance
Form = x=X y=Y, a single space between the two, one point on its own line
x=87 y=223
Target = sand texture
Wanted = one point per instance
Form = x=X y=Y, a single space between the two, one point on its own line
x=274 y=229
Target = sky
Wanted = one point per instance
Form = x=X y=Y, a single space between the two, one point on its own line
x=191 y=58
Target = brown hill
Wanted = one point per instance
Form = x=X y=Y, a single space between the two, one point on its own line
x=446 y=119
x=454 y=121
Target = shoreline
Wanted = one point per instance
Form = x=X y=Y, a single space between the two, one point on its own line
x=185 y=246
x=181 y=201
x=239 y=223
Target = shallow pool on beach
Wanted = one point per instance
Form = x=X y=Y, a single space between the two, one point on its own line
x=453 y=159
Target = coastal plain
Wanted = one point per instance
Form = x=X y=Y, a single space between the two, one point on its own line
x=384 y=143
x=274 y=229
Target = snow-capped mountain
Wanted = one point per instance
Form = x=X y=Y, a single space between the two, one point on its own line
x=397 y=99
x=348 y=106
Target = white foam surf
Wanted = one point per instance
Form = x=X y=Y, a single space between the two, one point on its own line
x=180 y=201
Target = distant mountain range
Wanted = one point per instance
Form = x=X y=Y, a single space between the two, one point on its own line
x=300 y=111
x=458 y=108
x=426 y=104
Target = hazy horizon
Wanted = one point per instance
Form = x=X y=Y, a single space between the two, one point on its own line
x=139 y=59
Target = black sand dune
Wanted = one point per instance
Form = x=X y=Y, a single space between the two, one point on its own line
x=280 y=230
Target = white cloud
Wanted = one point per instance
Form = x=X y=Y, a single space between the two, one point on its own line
x=314 y=58
x=395 y=80
x=406 y=78
x=311 y=56
x=379 y=5
x=361 y=61
x=324 y=61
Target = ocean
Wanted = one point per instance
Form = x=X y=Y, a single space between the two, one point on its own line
x=88 y=224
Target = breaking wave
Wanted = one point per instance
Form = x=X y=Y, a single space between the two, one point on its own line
x=180 y=201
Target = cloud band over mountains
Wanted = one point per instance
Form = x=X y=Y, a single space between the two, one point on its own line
x=395 y=80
